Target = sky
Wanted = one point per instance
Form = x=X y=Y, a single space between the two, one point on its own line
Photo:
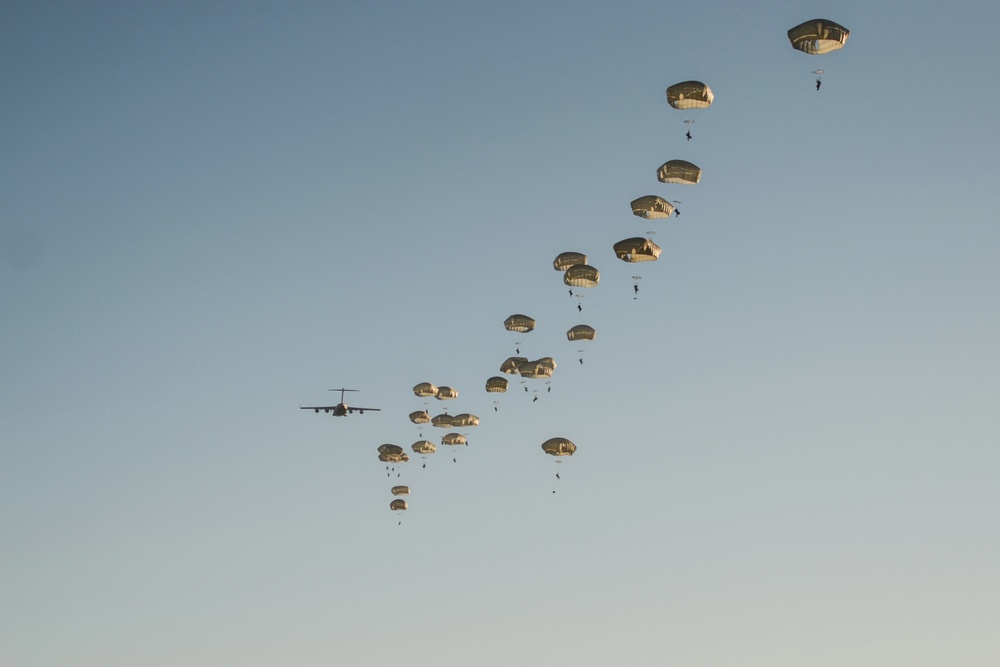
x=212 y=213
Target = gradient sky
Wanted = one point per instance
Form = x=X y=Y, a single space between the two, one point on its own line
x=210 y=213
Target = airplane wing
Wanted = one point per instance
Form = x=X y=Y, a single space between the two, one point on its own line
x=317 y=407
x=351 y=407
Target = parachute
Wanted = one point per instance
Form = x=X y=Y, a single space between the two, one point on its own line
x=425 y=390
x=392 y=454
x=445 y=393
x=558 y=447
x=582 y=275
x=680 y=172
x=689 y=95
x=424 y=447
x=454 y=439
x=581 y=332
x=442 y=421
x=818 y=36
x=565 y=260
x=651 y=206
x=509 y=366
x=519 y=323
x=637 y=249
x=541 y=368
x=400 y=490
x=465 y=419
x=496 y=385
x=397 y=504
x=420 y=417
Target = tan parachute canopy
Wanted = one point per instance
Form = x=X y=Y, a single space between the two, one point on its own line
x=519 y=323
x=453 y=439
x=818 y=36
x=637 y=249
x=442 y=421
x=496 y=385
x=446 y=393
x=541 y=368
x=420 y=417
x=425 y=389
x=581 y=332
x=558 y=447
x=510 y=364
x=397 y=504
x=465 y=419
x=651 y=206
x=690 y=95
x=424 y=447
x=400 y=490
x=680 y=172
x=582 y=275
x=564 y=260
x=392 y=454
x=390 y=449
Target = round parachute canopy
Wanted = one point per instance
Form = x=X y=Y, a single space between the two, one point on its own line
x=564 y=260
x=425 y=389
x=424 y=447
x=465 y=419
x=818 y=36
x=401 y=490
x=390 y=449
x=496 y=385
x=558 y=447
x=637 y=249
x=651 y=206
x=420 y=417
x=536 y=369
x=509 y=366
x=690 y=95
x=453 y=439
x=581 y=332
x=397 y=504
x=547 y=362
x=446 y=393
x=680 y=172
x=442 y=421
x=389 y=457
x=519 y=323
x=582 y=275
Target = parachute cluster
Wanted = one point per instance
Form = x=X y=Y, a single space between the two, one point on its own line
x=815 y=37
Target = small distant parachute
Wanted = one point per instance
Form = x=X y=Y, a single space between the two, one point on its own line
x=690 y=95
x=425 y=390
x=541 y=368
x=420 y=417
x=424 y=447
x=392 y=454
x=680 y=172
x=651 y=206
x=496 y=385
x=400 y=490
x=818 y=36
x=582 y=275
x=442 y=421
x=519 y=323
x=465 y=419
x=558 y=447
x=397 y=504
x=454 y=439
x=565 y=260
x=581 y=332
x=446 y=393
x=637 y=249
x=510 y=364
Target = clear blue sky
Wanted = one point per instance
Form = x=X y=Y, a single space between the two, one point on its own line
x=210 y=213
